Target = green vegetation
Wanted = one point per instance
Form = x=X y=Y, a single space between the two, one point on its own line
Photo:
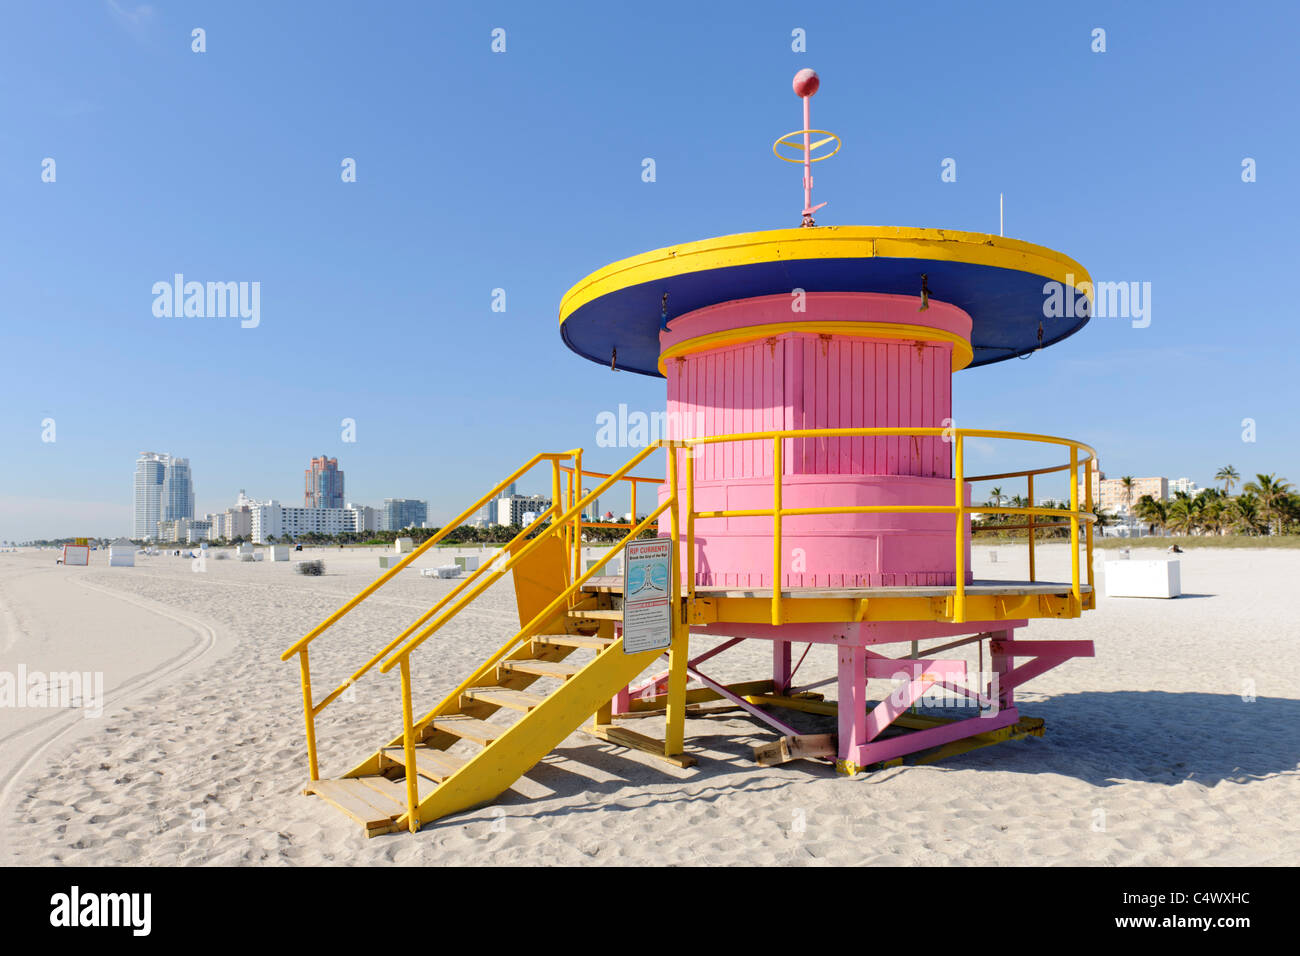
x=1265 y=514
x=1266 y=506
x=1187 y=542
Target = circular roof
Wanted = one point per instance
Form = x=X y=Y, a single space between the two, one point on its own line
x=997 y=281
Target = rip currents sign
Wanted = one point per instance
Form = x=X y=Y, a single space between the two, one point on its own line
x=647 y=604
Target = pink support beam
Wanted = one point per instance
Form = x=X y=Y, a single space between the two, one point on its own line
x=917 y=740
x=781 y=664
x=743 y=704
x=853 y=700
x=657 y=684
x=924 y=675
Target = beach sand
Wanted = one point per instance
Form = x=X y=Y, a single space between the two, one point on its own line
x=1177 y=744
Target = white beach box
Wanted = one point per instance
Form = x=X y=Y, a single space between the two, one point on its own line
x=279 y=552
x=442 y=571
x=1151 y=579
x=403 y=546
x=244 y=548
x=467 y=563
x=76 y=554
x=121 y=554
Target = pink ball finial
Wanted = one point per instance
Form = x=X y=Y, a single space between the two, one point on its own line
x=806 y=83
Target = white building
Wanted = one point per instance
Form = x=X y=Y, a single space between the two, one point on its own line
x=200 y=529
x=172 y=531
x=1185 y=485
x=366 y=518
x=150 y=468
x=511 y=510
x=272 y=519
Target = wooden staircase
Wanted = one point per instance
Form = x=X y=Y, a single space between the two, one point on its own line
x=503 y=724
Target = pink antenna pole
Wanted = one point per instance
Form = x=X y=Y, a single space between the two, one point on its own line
x=807 y=155
x=806 y=83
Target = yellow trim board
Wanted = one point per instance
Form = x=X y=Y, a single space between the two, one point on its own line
x=825 y=242
x=961 y=351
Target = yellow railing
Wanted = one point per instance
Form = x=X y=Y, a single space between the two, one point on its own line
x=574 y=475
x=1031 y=525
x=312 y=710
x=563 y=519
x=959 y=509
x=559 y=527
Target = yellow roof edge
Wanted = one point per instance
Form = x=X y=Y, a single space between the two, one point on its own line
x=764 y=246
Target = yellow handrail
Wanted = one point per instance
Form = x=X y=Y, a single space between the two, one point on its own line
x=538 y=620
x=959 y=509
x=310 y=709
x=410 y=628
x=383 y=579
x=558 y=525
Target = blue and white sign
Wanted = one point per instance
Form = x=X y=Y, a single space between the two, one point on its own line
x=647 y=604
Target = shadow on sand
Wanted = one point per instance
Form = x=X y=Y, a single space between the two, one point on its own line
x=1102 y=738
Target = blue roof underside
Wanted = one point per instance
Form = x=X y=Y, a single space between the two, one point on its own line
x=1005 y=305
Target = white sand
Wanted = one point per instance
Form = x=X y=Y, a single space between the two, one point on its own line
x=1151 y=754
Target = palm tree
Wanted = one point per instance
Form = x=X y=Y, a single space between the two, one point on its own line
x=1184 y=514
x=1127 y=484
x=1154 y=514
x=1213 y=512
x=1272 y=493
x=1228 y=475
x=1290 y=509
x=997 y=497
x=1245 y=515
x=1104 y=518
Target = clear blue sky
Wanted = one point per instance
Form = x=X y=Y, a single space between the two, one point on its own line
x=522 y=171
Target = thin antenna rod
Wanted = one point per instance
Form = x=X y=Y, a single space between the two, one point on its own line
x=806 y=83
x=1001 y=228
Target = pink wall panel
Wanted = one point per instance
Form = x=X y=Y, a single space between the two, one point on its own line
x=805 y=381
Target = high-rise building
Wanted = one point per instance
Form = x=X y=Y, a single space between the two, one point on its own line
x=149 y=470
x=402 y=513
x=324 y=484
x=177 y=490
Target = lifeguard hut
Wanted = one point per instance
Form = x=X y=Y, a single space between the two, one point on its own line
x=815 y=492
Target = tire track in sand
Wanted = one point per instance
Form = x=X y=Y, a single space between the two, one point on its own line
x=62 y=724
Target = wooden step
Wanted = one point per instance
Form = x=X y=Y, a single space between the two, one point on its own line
x=559 y=670
x=574 y=640
x=437 y=765
x=504 y=697
x=372 y=809
x=393 y=789
x=469 y=728
x=597 y=614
